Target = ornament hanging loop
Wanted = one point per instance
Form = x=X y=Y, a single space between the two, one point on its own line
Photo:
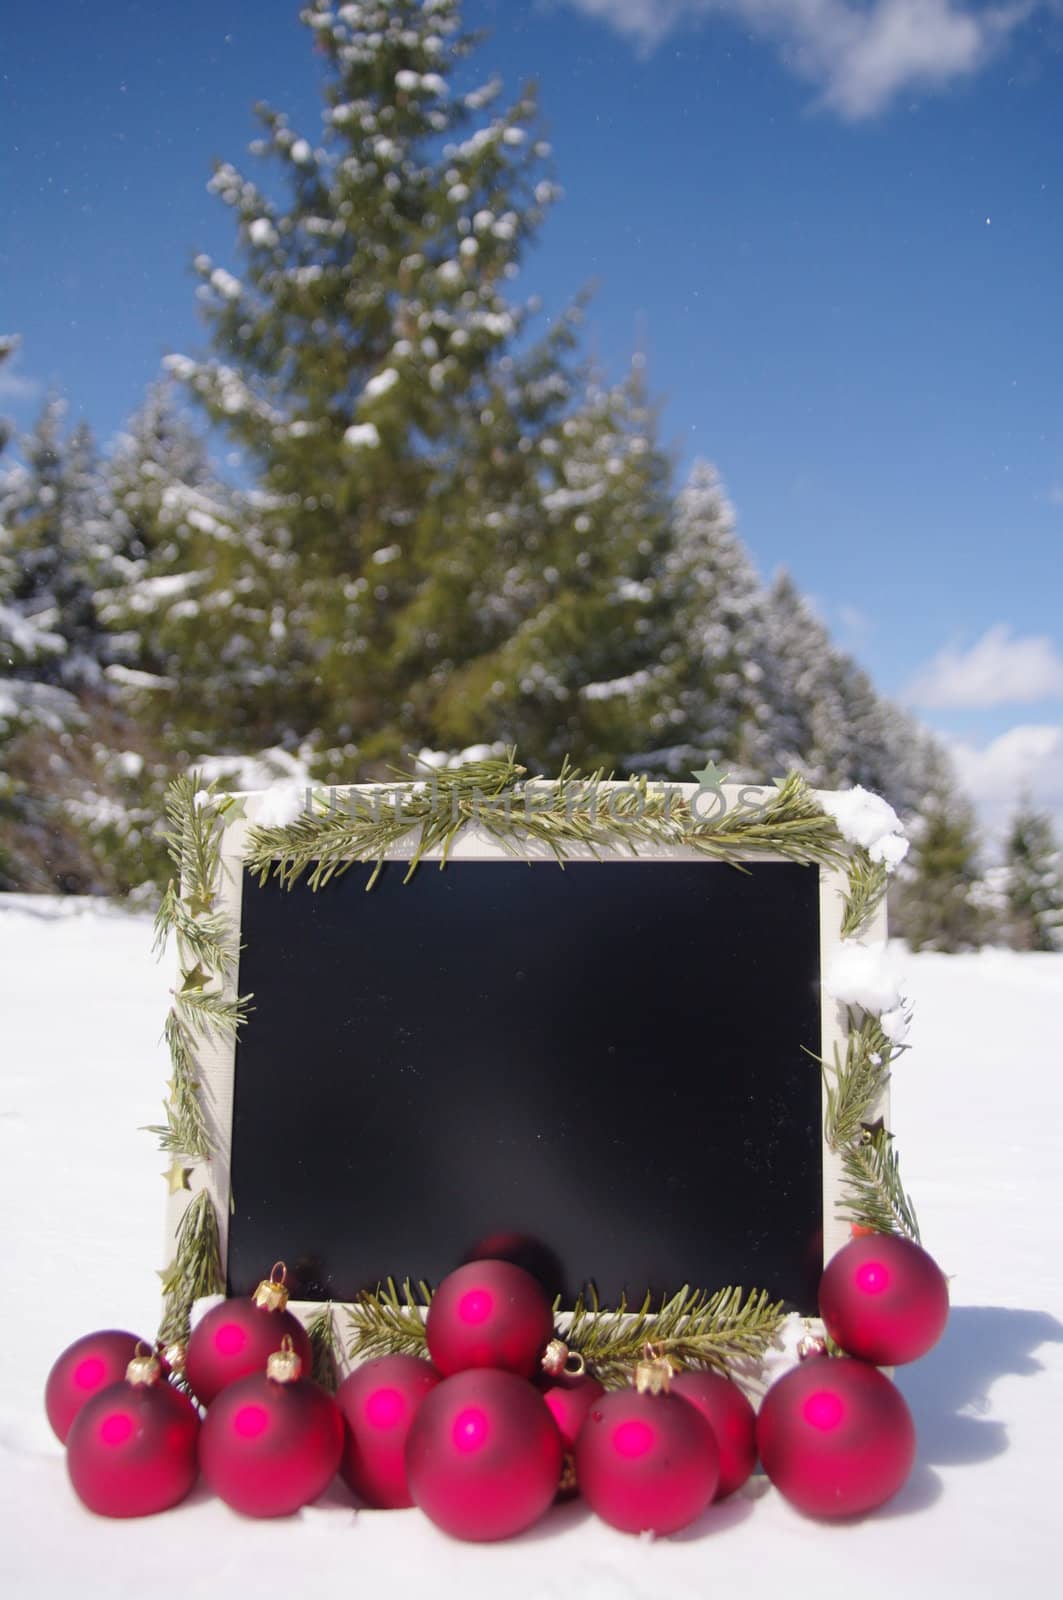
x=284 y=1366
x=559 y=1361
x=272 y=1292
x=144 y=1369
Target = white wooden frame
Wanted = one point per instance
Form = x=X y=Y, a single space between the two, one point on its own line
x=215 y=1055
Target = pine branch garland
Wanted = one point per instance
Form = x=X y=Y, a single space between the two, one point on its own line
x=877 y=1198
x=195 y=1270
x=693 y=1328
x=204 y=938
x=874 y=1194
x=324 y=1346
x=185 y=1131
x=388 y=1321
x=571 y=812
x=868 y=881
x=857 y=1082
x=209 y=1011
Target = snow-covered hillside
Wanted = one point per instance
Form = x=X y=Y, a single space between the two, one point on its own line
x=978 y=1108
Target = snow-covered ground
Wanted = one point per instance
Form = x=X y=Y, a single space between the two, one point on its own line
x=978 y=1109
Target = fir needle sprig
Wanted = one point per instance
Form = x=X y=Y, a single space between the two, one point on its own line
x=573 y=812
x=867 y=884
x=388 y=1320
x=324 y=1347
x=693 y=1328
x=207 y=950
x=196 y=1268
x=874 y=1196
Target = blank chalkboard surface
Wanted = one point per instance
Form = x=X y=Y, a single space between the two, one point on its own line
x=601 y=1071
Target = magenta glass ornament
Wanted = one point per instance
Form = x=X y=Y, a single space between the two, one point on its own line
x=235 y=1339
x=835 y=1437
x=489 y=1314
x=483 y=1456
x=731 y=1418
x=646 y=1463
x=882 y=1298
x=379 y=1402
x=268 y=1448
x=90 y=1364
x=131 y=1449
x=569 y=1397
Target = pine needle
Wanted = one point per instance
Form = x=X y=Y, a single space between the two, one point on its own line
x=694 y=1328
x=388 y=1321
x=568 y=813
x=868 y=881
x=196 y=1268
x=877 y=1198
x=324 y=1345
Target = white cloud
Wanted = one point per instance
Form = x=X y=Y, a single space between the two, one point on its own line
x=1055 y=495
x=15 y=385
x=998 y=670
x=861 y=55
x=1027 y=760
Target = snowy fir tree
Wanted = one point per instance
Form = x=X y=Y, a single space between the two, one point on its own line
x=1033 y=882
x=937 y=900
x=715 y=667
x=464 y=521
x=189 y=607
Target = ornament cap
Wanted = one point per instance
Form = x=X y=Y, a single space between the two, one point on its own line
x=174 y=1355
x=272 y=1292
x=558 y=1360
x=145 y=1368
x=811 y=1345
x=284 y=1365
x=654 y=1373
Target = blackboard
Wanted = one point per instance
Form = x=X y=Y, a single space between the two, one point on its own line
x=604 y=1072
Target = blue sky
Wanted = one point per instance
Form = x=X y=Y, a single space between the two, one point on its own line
x=835 y=228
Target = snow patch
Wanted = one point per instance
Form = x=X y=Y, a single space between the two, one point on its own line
x=277 y=807
x=262 y=232
x=228 y=287
x=865 y=975
x=380 y=384
x=865 y=819
x=362 y=436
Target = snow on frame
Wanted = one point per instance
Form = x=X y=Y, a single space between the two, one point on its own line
x=864 y=818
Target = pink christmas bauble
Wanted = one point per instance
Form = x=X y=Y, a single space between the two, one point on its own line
x=568 y=1400
x=234 y=1340
x=646 y=1463
x=882 y=1298
x=489 y=1314
x=731 y=1418
x=483 y=1456
x=131 y=1449
x=835 y=1437
x=379 y=1402
x=569 y=1397
x=268 y=1448
x=90 y=1364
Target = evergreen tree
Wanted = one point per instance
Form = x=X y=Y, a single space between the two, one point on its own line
x=193 y=631
x=56 y=556
x=826 y=717
x=1034 y=882
x=936 y=895
x=464 y=524
x=714 y=705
